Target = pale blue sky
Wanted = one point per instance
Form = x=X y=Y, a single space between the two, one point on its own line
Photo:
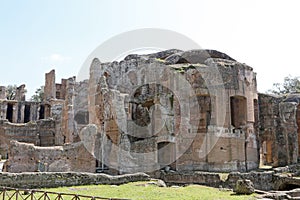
x=39 y=35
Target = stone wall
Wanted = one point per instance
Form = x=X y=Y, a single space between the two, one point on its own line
x=41 y=133
x=266 y=181
x=140 y=106
x=20 y=93
x=68 y=125
x=279 y=129
x=50 y=87
x=23 y=111
x=2 y=92
x=69 y=106
x=186 y=178
x=25 y=157
x=81 y=113
x=52 y=180
x=261 y=180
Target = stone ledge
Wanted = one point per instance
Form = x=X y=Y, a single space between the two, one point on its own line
x=54 y=179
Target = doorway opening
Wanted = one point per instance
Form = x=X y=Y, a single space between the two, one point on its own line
x=166 y=155
x=42 y=112
x=27 y=113
x=9 y=112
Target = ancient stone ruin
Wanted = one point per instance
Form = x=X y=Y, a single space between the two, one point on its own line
x=174 y=110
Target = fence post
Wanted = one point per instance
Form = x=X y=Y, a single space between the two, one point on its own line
x=17 y=194
x=3 y=194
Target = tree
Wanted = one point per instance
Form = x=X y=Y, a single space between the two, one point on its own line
x=38 y=95
x=289 y=85
x=11 y=92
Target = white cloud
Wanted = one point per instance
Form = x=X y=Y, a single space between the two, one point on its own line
x=56 y=58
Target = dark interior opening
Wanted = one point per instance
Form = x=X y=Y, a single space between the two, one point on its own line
x=166 y=155
x=57 y=95
x=42 y=112
x=100 y=168
x=9 y=112
x=27 y=113
x=287 y=187
x=238 y=106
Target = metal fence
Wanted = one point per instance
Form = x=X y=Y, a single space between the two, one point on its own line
x=7 y=193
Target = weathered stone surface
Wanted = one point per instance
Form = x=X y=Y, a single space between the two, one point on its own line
x=279 y=132
x=244 y=187
x=139 y=97
x=164 y=54
x=182 y=178
x=2 y=92
x=279 y=179
x=50 y=88
x=161 y=183
x=200 y=56
x=185 y=110
x=20 y=93
x=25 y=157
x=261 y=180
x=54 y=179
x=41 y=133
x=175 y=59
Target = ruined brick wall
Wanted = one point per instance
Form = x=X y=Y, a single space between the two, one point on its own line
x=125 y=96
x=20 y=93
x=68 y=125
x=50 y=87
x=278 y=130
x=55 y=111
x=75 y=111
x=41 y=133
x=25 y=157
x=81 y=113
x=69 y=107
x=2 y=92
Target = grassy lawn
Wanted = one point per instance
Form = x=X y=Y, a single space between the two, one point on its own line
x=142 y=190
x=137 y=190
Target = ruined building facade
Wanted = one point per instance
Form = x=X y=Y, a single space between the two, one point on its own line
x=172 y=110
x=176 y=106
x=279 y=129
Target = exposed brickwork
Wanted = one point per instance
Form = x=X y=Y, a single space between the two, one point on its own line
x=184 y=111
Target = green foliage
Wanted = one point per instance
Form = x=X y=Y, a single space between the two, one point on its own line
x=183 y=68
x=38 y=95
x=11 y=92
x=289 y=85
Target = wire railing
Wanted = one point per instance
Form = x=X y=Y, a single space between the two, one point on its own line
x=7 y=193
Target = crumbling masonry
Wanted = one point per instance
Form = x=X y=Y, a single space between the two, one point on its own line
x=196 y=110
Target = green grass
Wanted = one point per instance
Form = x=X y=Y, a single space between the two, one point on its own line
x=142 y=190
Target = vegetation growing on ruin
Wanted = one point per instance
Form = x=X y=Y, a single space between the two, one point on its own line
x=183 y=68
x=160 y=60
x=11 y=92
